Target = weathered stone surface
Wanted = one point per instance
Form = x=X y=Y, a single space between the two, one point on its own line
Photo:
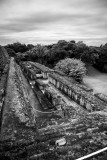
x=88 y=97
x=85 y=133
x=29 y=132
x=16 y=110
x=4 y=58
x=102 y=97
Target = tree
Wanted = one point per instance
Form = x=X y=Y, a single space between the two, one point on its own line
x=30 y=46
x=101 y=62
x=57 y=52
x=80 y=49
x=40 y=52
x=18 y=47
x=10 y=52
x=61 y=43
x=72 y=67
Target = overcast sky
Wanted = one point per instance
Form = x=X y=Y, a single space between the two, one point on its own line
x=47 y=21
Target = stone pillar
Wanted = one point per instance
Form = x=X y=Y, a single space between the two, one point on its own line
x=45 y=75
x=70 y=92
x=65 y=89
x=31 y=76
x=81 y=101
x=58 y=84
x=55 y=83
x=53 y=101
x=88 y=106
x=50 y=79
x=73 y=95
x=61 y=87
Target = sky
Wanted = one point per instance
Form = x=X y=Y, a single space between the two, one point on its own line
x=47 y=21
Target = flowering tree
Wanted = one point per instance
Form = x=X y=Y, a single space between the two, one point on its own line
x=72 y=67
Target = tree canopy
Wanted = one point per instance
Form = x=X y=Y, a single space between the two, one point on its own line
x=39 y=52
x=18 y=47
x=72 y=67
x=51 y=54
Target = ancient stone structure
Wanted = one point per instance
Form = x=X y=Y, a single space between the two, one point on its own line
x=44 y=70
x=79 y=93
x=102 y=97
x=4 y=58
x=36 y=127
x=4 y=67
x=82 y=97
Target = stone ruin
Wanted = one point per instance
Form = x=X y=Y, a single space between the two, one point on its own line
x=81 y=94
x=46 y=115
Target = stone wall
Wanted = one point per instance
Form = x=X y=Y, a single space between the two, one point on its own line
x=102 y=97
x=3 y=84
x=34 y=73
x=44 y=70
x=30 y=75
x=77 y=92
x=65 y=110
x=4 y=58
x=82 y=97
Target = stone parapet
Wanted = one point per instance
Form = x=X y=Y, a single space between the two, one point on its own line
x=102 y=97
x=84 y=98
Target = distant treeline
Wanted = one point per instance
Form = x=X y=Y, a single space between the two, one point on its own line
x=51 y=54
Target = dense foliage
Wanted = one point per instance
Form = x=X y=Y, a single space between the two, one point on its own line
x=39 y=52
x=50 y=55
x=72 y=67
x=18 y=47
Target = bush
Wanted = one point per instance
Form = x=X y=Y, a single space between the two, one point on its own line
x=72 y=67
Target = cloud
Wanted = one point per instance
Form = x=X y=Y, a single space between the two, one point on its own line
x=47 y=21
